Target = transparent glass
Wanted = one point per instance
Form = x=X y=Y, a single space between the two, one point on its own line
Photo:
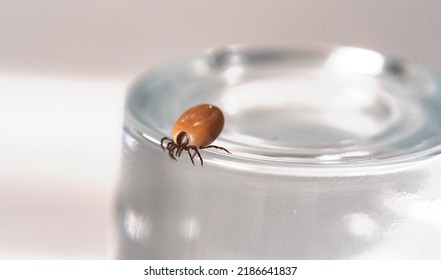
x=334 y=155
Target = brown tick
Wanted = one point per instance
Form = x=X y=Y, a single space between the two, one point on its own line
x=195 y=130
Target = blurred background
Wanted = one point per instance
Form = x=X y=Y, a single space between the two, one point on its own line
x=65 y=67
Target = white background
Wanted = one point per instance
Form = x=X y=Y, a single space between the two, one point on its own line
x=64 y=69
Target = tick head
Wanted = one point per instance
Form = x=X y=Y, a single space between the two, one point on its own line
x=182 y=139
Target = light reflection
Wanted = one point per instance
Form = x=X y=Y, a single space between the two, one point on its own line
x=191 y=228
x=415 y=206
x=130 y=142
x=233 y=75
x=136 y=226
x=358 y=97
x=360 y=153
x=330 y=157
x=201 y=68
x=355 y=60
x=361 y=224
x=150 y=138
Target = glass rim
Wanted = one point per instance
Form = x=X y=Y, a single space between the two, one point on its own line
x=279 y=166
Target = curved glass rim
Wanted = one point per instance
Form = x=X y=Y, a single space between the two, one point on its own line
x=278 y=166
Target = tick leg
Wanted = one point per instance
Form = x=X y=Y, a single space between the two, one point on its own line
x=162 y=142
x=182 y=149
x=197 y=153
x=213 y=146
x=192 y=161
x=171 y=155
x=169 y=146
x=170 y=152
x=179 y=151
x=193 y=155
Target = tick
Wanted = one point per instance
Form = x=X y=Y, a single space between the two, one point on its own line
x=195 y=130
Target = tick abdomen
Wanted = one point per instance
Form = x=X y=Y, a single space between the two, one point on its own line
x=202 y=123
